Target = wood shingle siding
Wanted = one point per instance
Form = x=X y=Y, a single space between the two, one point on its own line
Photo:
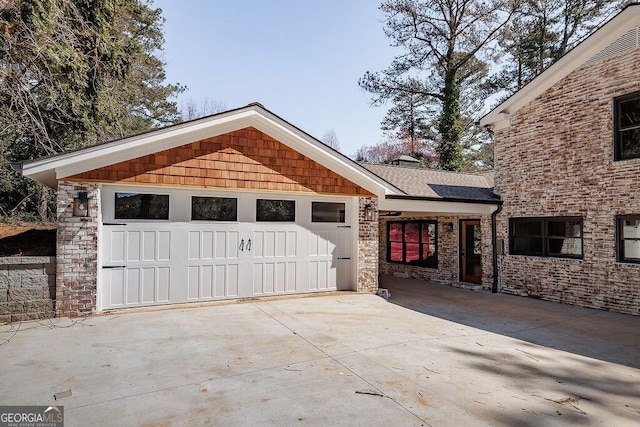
x=244 y=159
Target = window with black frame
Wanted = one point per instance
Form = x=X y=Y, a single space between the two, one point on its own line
x=547 y=237
x=275 y=210
x=141 y=206
x=327 y=212
x=214 y=208
x=413 y=243
x=628 y=231
x=627 y=127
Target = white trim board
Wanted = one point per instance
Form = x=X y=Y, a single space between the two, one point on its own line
x=49 y=170
x=618 y=26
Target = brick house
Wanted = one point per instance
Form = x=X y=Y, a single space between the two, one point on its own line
x=243 y=204
x=567 y=162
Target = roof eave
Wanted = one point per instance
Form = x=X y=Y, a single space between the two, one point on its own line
x=50 y=170
x=444 y=199
x=499 y=117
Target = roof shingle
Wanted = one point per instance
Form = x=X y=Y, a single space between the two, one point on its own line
x=420 y=182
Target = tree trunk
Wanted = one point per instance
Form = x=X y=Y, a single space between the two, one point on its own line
x=449 y=148
x=44 y=203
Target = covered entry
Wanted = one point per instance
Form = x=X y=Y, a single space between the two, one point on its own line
x=164 y=246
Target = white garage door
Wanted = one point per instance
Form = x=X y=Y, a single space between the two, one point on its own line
x=163 y=246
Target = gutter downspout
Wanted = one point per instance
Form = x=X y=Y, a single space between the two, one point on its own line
x=494 y=238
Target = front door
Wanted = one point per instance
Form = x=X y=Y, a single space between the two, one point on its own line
x=470 y=251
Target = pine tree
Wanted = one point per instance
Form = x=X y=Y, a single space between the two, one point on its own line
x=543 y=31
x=75 y=73
x=443 y=41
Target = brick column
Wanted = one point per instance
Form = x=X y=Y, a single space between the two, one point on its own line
x=368 y=241
x=77 y=251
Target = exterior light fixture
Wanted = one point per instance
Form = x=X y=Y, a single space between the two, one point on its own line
x=368 y=212
x=81 y=204
x=448 y=227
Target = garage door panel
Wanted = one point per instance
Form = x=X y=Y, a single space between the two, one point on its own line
x=292 y=244
x=275 y=278
x=230 y=283
x=281 y=244
x=149 y=246
x=134 y=246
x=116 y=252
x=164 y=245
x=212 y=281
x=323 y=276
x=194 y=245
x=207 y=238
x=292 y=278
x=113 y=294
x=281 y=277
x=163 y=281
x=132 y=284
x=193 y=282
x=230 y=242
x=269 y=278
x=206 y=281
x=148 y=285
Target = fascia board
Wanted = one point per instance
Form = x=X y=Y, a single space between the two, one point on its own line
x=309 y=147
x=574 y=59
x=103 y=155
x=152 y=144
x=435 y=207
x=50 y=170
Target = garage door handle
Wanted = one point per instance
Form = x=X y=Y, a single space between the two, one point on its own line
x=113 y=266
x=344 y=226
x=112 y=223
x=249 y=245
x=344 y=257
x=242 y=245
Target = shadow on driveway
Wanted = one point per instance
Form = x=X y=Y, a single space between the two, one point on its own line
x=606 y=336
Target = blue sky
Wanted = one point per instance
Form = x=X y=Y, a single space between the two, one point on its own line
x=300 y=58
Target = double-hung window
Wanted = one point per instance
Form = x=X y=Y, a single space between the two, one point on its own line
x=628 y=231
x=413 y=243
x=627 y=126
x=548 y=237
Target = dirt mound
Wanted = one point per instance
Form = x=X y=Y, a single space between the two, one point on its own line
x=37 y=240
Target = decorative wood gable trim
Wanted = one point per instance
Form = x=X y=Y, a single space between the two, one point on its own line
x=243 y=159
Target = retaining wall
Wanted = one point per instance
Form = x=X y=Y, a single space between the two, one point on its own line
x=27 y=288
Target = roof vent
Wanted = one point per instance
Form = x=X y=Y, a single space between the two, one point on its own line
x=406 y=161
x=624 y=44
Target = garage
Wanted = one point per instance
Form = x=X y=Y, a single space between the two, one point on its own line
x=240 y=204
x=166 y=246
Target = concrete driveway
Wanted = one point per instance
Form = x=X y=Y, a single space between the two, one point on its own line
x=431 y=355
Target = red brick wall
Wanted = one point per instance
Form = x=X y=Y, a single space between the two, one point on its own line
x=245 y=158
x=556 y=159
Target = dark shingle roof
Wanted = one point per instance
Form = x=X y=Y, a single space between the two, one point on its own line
x=429 y=183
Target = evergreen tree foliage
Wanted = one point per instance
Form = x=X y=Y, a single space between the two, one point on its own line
x=75 y=73
x=542 y=31
x=441 y=68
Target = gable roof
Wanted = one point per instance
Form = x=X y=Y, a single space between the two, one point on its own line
x=617 y=36
x=429 y=184
x=51 y=169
